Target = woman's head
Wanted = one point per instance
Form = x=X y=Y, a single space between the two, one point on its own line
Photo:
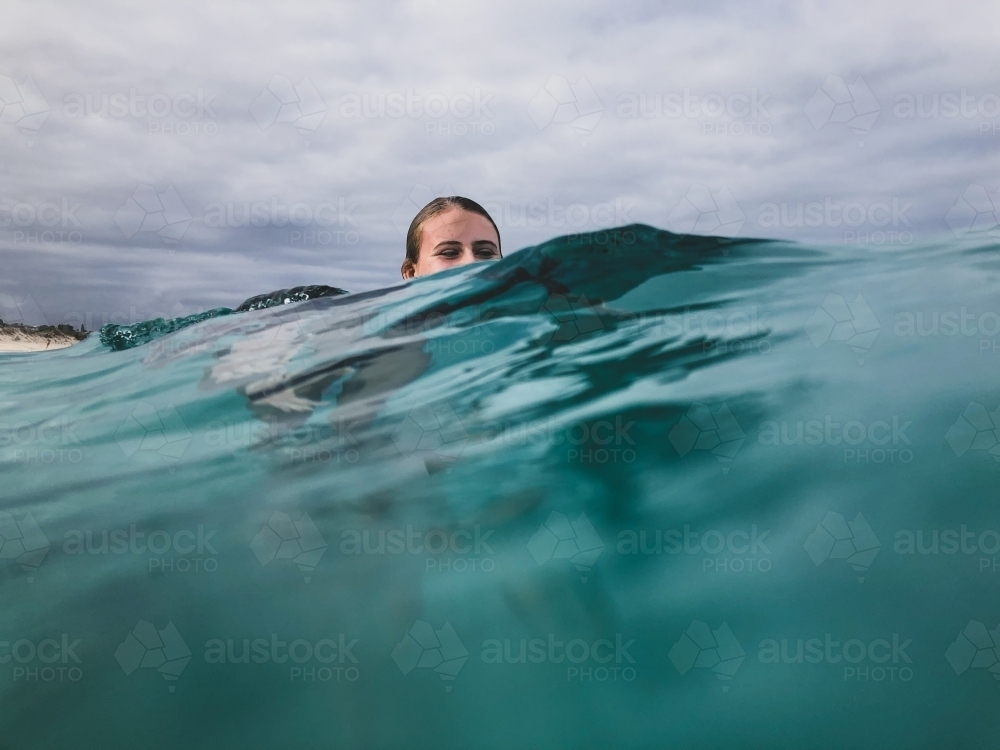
x=449 y=232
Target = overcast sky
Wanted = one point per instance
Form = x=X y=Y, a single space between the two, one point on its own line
x=135 y=136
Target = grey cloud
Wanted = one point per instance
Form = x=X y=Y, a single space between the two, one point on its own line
x=641 y=168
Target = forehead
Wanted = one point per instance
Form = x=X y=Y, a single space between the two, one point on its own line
x=457 y=224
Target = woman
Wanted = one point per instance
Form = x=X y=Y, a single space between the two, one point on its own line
x=449 y=232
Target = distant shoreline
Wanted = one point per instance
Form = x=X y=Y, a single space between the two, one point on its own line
x=19 y=338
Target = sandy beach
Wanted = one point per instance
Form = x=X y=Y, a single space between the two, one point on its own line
x=20 y=338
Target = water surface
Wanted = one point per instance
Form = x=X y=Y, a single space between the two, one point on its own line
x=629 y=489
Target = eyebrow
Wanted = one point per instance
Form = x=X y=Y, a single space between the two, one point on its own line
x=478 y=244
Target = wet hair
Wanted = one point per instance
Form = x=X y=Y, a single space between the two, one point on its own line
x=438 y=206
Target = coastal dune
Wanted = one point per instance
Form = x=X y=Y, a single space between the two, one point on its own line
x=15 y=338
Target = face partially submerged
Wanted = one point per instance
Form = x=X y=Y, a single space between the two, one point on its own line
x=454 y=237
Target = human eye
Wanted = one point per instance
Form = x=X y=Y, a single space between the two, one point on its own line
x=487 y=252
x=448 y=252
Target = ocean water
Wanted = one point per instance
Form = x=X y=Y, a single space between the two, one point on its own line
x=629 y=489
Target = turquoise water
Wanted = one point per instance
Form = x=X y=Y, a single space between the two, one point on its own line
x=629 y=489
